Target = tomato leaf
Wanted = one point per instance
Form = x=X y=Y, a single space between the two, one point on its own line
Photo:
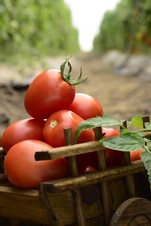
x=146 y=158
x=147 y=126
x=137 y=121
x=102 y=121
x=126 y=142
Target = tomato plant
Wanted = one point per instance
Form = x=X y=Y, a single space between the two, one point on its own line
x=50 y=91
x=20 y=130
x=53 y=131
x=86 y=106
x=23 y=171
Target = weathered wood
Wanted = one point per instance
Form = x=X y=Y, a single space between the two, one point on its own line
x=93 y=178
x=22 y=205
x=104 y=184
x=62 y=207
x=132 y=212
x=129 y=178
x=74 y=150
x=71 y=150
x=26 y=206
x=76 y=193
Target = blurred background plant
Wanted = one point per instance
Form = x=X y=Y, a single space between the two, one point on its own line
x=33 y=29
x=127 y=28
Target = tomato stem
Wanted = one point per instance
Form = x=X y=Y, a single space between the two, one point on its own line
x=67 y=76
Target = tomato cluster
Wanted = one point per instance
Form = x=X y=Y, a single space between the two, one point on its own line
x=53 y=105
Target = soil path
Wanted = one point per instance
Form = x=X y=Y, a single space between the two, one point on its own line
x=121 y=97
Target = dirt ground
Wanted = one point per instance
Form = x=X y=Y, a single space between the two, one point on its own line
x=121 y=97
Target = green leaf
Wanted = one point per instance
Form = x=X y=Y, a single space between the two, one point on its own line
x=126 y=142
x=146 y=158
x=123 y=131
x=147 y=143
x=137 y=121
x=102 y=121
x=148 y=126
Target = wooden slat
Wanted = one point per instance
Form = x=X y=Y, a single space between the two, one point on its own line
x=74 y=150
x=67 y=151
x=22 y=205
x=104 y=185
x=93 y=178
x=76 y=193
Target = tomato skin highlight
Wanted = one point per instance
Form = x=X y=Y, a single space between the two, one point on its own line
x=48 y=93
x=135 y=155
x=53 y=132
x=89 y=169
x=20 y=130
x=23 y=171
x=86 y=106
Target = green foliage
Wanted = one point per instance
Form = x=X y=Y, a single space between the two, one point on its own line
x=36 y=28
x=92 y=123
x=131 y=138
x=146 y=157
x=126 y=28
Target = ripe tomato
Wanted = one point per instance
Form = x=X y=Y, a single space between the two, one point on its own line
x=86 y=106
x=86 y=160
x=135 y=155
x=114 y=158
x=110 y=132
x=23 y=171
x=89 y=169
x=20 y=130
x=48 y=93
x=53 y=131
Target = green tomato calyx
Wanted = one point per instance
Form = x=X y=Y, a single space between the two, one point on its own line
x=67 y=76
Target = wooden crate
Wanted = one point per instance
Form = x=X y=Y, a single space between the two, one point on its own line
x=111 y=196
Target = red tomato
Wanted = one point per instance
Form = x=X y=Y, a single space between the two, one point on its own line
x=86 y=160
x=22 y=130
x=113 y=158
x=53 y=131
x=135 y=155
x=23 y=171
x=89 y=169
x=86 y=106
x=110 y=132
x=48 y=93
